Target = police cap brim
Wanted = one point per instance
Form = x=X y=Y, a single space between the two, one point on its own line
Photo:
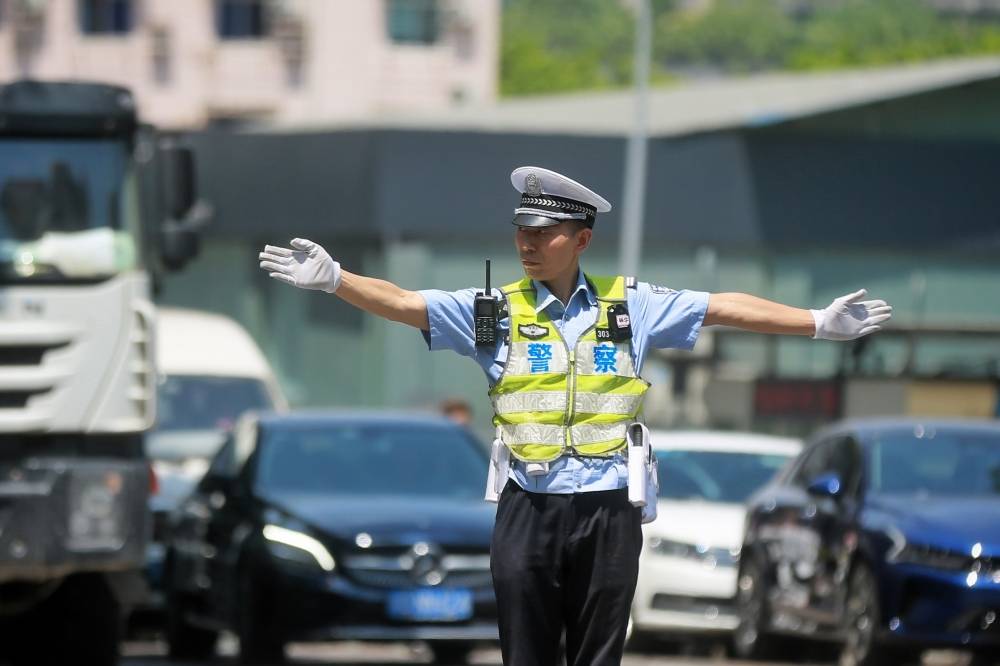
x=528 y=220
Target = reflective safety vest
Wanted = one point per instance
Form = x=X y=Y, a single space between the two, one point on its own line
x=551 y=399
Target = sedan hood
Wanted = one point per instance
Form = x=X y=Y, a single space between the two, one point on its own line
x=699 y=523
x=394 y=520
x=956 y=523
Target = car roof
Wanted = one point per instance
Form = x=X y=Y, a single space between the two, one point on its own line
x=197 y=342
x=310 y=418
x=719 y=440
x=872 y=425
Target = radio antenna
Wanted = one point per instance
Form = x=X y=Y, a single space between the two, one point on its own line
x=487 y=292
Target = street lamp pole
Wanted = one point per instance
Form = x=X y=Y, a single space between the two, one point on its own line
x=635 y=156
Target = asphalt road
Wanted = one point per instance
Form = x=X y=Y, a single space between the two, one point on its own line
x=153 y=653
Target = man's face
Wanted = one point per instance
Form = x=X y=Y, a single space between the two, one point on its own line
x=547 y=252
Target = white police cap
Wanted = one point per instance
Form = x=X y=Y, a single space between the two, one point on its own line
x=548 y=198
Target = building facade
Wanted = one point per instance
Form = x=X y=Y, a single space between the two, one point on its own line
x=893 y=193
x=193 y=63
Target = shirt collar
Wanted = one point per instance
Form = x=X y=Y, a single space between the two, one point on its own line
x=545 y=298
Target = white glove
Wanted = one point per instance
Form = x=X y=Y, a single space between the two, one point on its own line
x=848 y=317
x=307 y=265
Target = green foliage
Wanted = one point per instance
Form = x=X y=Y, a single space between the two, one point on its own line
x=736 y=35
x=878 y=32
x=560 y=45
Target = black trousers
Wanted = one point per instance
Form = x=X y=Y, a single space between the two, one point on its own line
x=564 y=562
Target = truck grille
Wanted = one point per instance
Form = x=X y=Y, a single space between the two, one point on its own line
x=25 y=354
x=17 y=399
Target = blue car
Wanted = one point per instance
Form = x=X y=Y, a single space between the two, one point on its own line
x=883 y=537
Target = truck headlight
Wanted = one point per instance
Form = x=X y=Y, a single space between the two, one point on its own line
x=298 y=547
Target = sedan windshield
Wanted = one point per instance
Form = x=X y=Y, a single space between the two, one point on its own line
x=715 y=476
x=372 y=459
x=936 y=463
x=65 y=209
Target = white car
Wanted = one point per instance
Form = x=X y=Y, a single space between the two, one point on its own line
x=687 y=569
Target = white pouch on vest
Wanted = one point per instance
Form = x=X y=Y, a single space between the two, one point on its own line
x=496 y=479
x=643 y=484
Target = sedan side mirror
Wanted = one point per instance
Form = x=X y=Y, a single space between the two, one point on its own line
x=825 y=485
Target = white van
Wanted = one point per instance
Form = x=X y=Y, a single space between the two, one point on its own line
x=210 y=371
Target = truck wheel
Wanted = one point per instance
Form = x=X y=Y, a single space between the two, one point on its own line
x=79 y=624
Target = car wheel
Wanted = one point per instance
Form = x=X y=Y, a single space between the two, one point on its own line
x=751 y=639
x=862 y=617
x=261 y=641
x=450 y=652
x=185 y=640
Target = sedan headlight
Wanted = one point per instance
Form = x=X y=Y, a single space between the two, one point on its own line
x=905 y=552
x=723 y=557
x=297 y=547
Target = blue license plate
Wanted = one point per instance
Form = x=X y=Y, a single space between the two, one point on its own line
x=432 y=605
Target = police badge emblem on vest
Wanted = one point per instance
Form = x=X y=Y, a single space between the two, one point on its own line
x=532 y=331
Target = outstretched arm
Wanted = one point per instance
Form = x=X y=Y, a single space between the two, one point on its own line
x=848 y=317
x=307 y=265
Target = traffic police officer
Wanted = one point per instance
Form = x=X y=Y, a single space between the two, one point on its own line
x=565 y=384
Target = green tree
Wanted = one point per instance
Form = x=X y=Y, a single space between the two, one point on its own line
x=878 y=32
x=734 y=35
x=552 y=46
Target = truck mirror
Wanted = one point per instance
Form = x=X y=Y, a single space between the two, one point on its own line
x=178 y=244
x=179 y=192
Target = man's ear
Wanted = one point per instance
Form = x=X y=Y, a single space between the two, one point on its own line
x=583 y=238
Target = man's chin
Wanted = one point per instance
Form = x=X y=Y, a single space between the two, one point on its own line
x=534 y=271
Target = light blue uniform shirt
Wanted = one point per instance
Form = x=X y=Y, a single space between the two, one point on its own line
x=661 y=318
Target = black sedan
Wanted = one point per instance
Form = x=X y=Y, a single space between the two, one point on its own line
x=884 y=535
x=328 y=526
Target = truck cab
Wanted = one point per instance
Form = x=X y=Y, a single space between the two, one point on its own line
x=94 y=209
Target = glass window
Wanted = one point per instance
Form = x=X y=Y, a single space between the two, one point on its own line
x=371 y=459
x=190 y=402
x=105 y=17
x=240 y=19
x=930 y=462
x=67 y=209
x=414 y=21
x=715 y=476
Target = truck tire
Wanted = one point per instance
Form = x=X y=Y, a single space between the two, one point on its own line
x=79 y=624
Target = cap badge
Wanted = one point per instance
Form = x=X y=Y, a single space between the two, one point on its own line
x=532 y=185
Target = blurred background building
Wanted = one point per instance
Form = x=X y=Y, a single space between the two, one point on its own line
x=197 y=62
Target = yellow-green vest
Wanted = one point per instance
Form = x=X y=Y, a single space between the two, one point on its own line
x=551 y=398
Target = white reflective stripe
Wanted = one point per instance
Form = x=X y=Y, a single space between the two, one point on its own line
x=588 y=433
x=523 y=359
x=533 y=433
x=603 y=363
x=539 y=401
x=607 y=403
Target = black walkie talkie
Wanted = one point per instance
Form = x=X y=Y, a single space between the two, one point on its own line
x=486 y=313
